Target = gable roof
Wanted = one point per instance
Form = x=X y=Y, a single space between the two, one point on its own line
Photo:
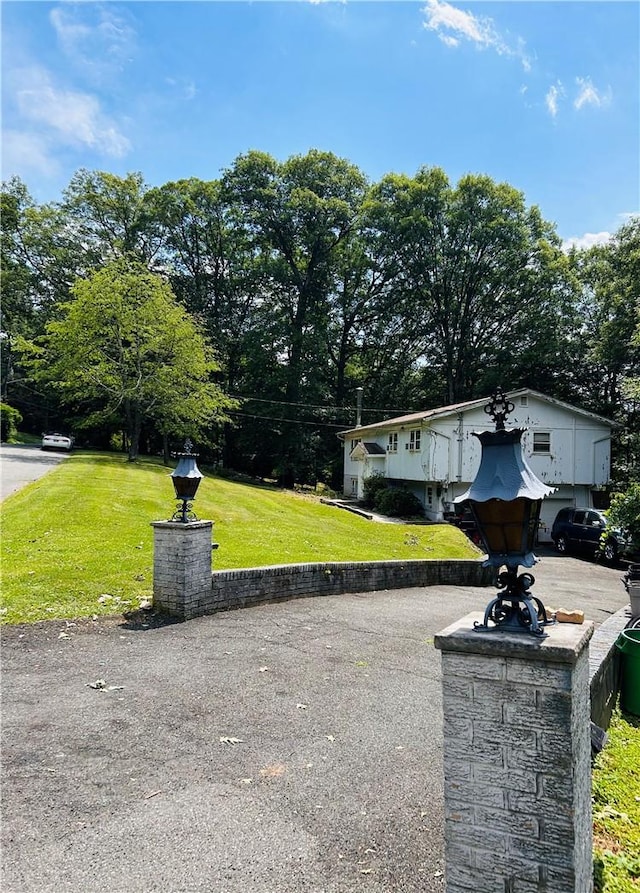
x=363 y=449
x=418 y=418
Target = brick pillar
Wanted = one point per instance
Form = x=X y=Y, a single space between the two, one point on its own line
x=517 y=759
x=182 y=567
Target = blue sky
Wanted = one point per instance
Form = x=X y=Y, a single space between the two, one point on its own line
x=542 y=95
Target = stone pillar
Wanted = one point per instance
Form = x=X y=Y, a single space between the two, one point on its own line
x=517 y=759
x=182 y=567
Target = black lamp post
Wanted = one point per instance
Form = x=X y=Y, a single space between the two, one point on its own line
x=186 y=479
x=505 y=499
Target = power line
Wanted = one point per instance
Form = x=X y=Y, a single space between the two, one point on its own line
x=266 y=418
x=318 y=406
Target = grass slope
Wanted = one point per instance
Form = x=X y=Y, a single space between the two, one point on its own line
x=78 y=542
x=616 y=809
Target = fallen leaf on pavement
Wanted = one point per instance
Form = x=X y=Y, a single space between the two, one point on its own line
x=101 y=685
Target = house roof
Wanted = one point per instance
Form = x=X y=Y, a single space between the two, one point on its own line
x=418 y=418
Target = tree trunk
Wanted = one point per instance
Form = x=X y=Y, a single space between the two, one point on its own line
x=134 y=425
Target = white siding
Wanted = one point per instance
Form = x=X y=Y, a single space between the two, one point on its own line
x=578 y=458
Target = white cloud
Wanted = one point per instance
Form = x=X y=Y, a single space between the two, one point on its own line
x=588 y=240
x=590 y=95
x=443 y=15
x=586 y=95
x=94 y=37
x=554 y=94
x=67 y=117
x=453 y=25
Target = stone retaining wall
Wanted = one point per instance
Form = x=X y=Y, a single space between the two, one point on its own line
x=604 y=667
x=237 y=589
x=185 y=587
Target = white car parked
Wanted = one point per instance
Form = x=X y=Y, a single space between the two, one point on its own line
x=56 y=442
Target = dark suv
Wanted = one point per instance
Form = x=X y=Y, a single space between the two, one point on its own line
x=580 y=530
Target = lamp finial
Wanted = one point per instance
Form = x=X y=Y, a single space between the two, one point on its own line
x=499 y=408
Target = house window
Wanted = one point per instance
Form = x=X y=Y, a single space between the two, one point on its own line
x=524 y=400
x=414 y=440
x=430 y=495
x=542 y=442
x=392 y=446
x=354 y=443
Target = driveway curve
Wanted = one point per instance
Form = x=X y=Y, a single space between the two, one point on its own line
x=284 y=748
x=20 y=464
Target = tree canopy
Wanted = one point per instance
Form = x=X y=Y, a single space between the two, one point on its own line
x=307 y=282
x=122 y=350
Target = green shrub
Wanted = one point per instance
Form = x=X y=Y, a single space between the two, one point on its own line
x=398 y=503
x=372 y=486
x=625 y=512
x=10 y=418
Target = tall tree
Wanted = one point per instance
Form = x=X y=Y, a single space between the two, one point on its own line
x=610 y=369
x=38 y=265
x=39 y=259
x=126 y=352
x=472 y=267
x=111 y=217
x=211 y=263
x=296 y=214
x=611 y=277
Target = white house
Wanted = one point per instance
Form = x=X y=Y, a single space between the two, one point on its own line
x=434 y=454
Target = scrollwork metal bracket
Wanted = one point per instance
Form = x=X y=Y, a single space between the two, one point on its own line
x=515 y=608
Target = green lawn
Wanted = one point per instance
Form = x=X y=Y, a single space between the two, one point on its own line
x=616 y=809
x=78 y=542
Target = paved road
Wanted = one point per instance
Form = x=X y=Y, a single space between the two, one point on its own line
x=21 y=464
x=285 y=748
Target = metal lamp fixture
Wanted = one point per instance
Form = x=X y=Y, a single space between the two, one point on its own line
x=505 y=500
x=186 y=479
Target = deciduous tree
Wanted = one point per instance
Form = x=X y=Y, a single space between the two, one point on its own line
x=124 y=351
x=475 y=272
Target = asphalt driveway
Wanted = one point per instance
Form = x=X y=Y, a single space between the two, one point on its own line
x=288 y=747
x=20 y=464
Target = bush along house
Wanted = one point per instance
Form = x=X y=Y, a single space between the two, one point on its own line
x=434 y=455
